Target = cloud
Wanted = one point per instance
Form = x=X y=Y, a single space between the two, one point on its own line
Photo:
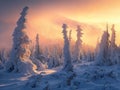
x=43 y=16
x=91 y=32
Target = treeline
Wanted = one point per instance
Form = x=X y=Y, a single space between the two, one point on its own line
x=25 y=58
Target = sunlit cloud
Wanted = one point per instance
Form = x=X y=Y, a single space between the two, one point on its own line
x=46 y=17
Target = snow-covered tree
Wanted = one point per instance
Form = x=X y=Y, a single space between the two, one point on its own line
x=66 y=51
x=37 y=57
x=37 y=47
x=112 y=44
x=32 y=49
x=38 y=51
x=113 y=47
x=55 y=57
x=103 y=54
x=78 y=44
x=70 y=32
x=70 y=43
x=19 y=59
x=97 y=48
x=2 y=56
x=89 y=56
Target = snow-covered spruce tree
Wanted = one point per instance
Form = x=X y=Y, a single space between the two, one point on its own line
x=102 y=57
x=37 y=57
x=38 y=51
x=90 y=56
x=46 y=54
x=70 y=32
x=78 y=45
x=66 y=51
x=97 y=48
x=70 y=44
x=113 y=48
x=2 y=58
x=54 y=59
x=112 y=44
x=37 y=48
x=32 y=49
x=19 y=60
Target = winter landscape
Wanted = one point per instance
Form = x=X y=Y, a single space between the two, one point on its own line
x=52 y=50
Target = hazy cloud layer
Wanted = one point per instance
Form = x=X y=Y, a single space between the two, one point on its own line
x=43 y=17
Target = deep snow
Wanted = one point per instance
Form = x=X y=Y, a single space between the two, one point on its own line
x=86 y=77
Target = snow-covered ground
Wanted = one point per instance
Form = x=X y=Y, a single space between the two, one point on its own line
x=86 y=77
x=17 y=81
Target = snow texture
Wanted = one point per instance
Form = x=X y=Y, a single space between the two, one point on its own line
x=87 y=77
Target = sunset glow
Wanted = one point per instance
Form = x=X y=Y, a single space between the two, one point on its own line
x=60 y=44
x=46 y=18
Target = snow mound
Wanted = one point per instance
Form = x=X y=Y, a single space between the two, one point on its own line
x=24 y=67
x=40 y=66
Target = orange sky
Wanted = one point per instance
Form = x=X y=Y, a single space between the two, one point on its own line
x=46 y=18
x=92 y=15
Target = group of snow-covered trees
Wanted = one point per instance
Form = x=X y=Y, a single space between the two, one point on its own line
x=25 y=58
x=107 y=52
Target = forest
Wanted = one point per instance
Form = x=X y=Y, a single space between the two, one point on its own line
x=60 y=67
